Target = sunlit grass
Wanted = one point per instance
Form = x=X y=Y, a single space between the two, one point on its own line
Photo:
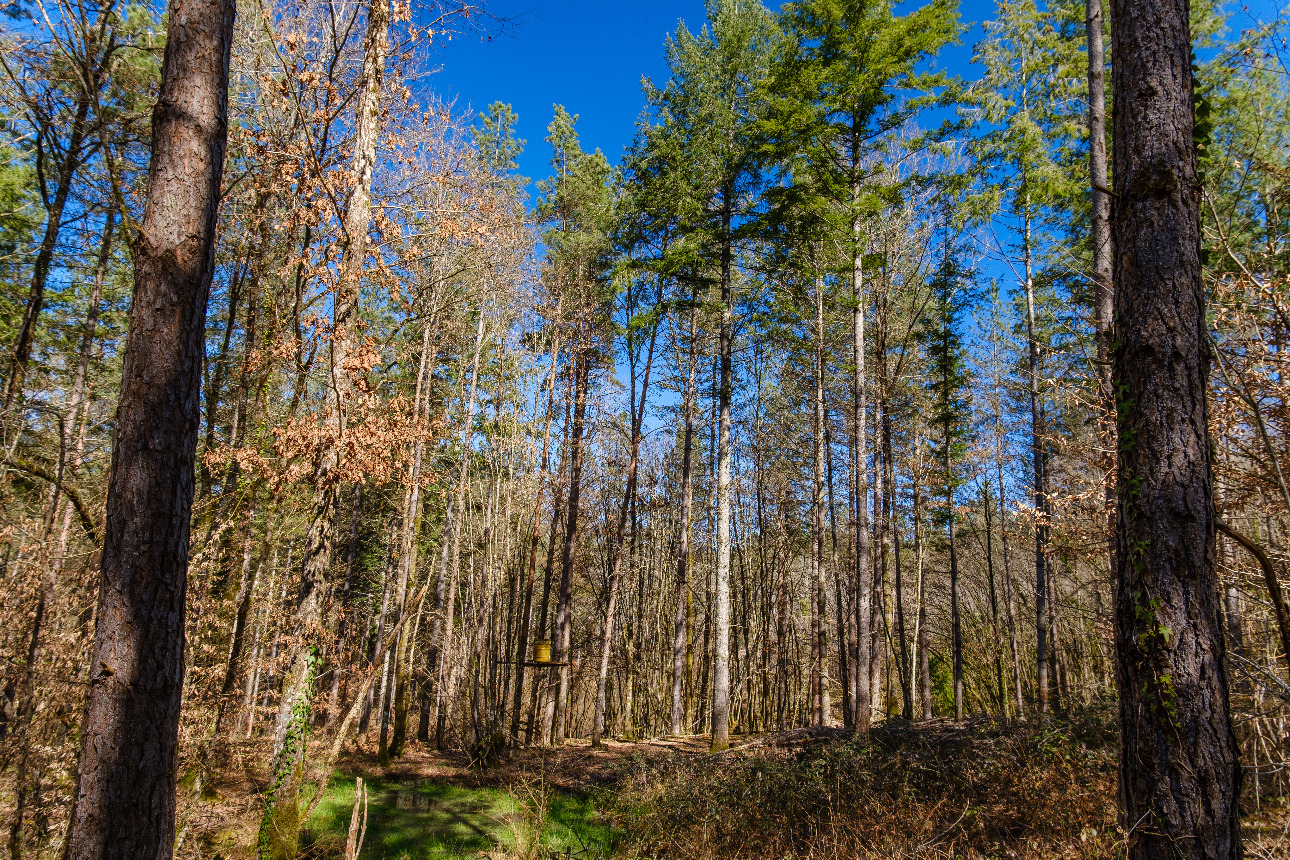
x=426 y=819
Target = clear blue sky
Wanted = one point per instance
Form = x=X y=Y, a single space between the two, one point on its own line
x=590 y=56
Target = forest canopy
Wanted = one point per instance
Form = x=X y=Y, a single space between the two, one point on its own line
x=798 y=412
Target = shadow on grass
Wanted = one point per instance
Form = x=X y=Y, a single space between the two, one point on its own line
x=427 y=819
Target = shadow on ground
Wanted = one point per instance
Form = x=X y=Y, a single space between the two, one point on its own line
x=429 y=819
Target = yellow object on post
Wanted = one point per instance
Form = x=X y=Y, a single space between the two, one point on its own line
x=542 y=651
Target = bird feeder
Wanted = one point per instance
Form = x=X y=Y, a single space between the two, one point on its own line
x=542 y=651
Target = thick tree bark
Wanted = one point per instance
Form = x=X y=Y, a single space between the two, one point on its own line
x=1179 y=773
x=124 y=804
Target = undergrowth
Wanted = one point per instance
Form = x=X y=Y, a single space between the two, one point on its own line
x=981 y=790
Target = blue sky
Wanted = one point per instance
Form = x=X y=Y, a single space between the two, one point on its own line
x=590 y=57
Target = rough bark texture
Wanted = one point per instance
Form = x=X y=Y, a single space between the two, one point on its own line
x=125 y=794
x=1179 y=776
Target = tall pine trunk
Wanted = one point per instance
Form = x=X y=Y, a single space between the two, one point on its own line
x=1179 y=771
x=615 y=573
x=124 y=803
x=557 y=695
x=1039 y=470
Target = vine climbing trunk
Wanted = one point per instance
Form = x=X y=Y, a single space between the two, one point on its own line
x=280 y=825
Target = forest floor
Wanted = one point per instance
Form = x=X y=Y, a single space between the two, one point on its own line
x=937 y=789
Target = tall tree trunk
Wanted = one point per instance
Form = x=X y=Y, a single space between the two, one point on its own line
x=411 y=528
x=956 y=626
x=280 y=826
x=1100 y=233
x=924 y=649
x=526 y=611
x=558 y=682
x=1039 y=469
x=684 y=555
x=1179 y=771
x=862 y=574
x=124 y=803
x=450 y=561
x=987 y=510
x=615 y=573
x=819 y=614
x=721 y=664
x=1007 y=568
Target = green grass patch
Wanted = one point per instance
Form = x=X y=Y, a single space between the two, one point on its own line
x=429 y=819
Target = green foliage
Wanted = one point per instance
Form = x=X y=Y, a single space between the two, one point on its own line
x=851 y=73
x=942 y=676
x=499 y=147
x=947 y=381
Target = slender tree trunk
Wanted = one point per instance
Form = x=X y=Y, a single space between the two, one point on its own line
x=558 y=682
x=956 y=627
x=684 y=555
x=819 y=615
x=1100 y=233
x=48 y=246
x=411 y=528
x=924 y=649
x=280 y=826
x=987 y=511
x=124 y=803
x=450 y=564
x=615 y=573
x=1180 y=775
x=721 y=664
x=863 y=574
x=1007 y=569
x=1038 y=466
x=522 y=643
